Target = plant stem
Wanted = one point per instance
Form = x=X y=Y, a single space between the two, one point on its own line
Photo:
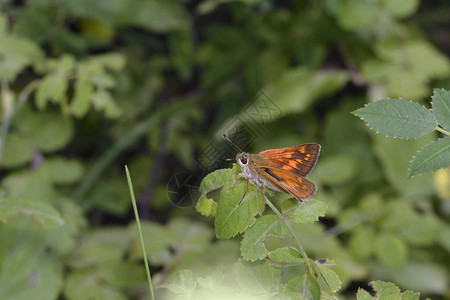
x=10 y=112
x=300 y=247
x=138 y=223
x=442 y=130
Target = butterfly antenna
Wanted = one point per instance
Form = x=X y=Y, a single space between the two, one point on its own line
x=236 y=146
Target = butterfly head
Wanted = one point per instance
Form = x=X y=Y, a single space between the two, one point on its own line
x=243 y=159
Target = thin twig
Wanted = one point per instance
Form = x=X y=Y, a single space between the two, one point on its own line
x=10 y=113
x=302 y=250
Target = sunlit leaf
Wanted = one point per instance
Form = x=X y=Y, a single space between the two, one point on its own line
x=286 y=256
x=237 y=209
x=304 y=212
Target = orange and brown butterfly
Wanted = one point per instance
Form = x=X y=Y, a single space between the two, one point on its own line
x=282 y=169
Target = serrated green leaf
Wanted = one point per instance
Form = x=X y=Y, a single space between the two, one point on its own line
x=42 y=213
x=398 y=118
x=410 y=295
x=252 y=245
x=431 y=158
x=391 y=250
x=237 y=209
x=362 y=294
x=286 y=255
x=386 y=290
x=305 y=212
x=441 y=107
x=329 y=276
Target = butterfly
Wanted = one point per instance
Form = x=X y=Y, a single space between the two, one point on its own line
x=282 y=169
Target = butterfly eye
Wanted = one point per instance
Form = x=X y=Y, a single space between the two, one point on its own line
x=244 y=160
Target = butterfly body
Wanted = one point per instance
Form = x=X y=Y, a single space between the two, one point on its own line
x=282 y=169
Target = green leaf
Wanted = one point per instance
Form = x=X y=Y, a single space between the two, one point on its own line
x=64 y=171
x=409 y=295
x=237 y=209
x=121 y=274
x=298 y=88
x=182 y=282
x=391 y=250
x=101 y=246
x=362 y=294
x=441 y=107
x=401 y=8
x=50 y=131
x=206 y=205
x=102 y=100
x=158 y=16
x=362 y=243
x=311 y=288
x=398 y=118
x=252 y=245
x=329 y=276
x=305 y=212
x=42 y=213
x=81 y=101
x=86 y=284
x=423 y=229
x=18 y=150
x=386 y=290
x=16 y=54
x=287 y=256
x=259 y=277
x=336 y=169
x=29 y=266
x=431 y=158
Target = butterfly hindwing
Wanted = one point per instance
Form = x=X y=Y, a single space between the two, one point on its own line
x=299 y=159
x=300 y=188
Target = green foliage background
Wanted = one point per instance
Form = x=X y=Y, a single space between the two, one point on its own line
x=88 y=86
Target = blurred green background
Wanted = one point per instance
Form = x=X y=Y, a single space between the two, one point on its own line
x=89 y=86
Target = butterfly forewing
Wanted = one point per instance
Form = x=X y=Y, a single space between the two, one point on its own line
x=299 y=159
